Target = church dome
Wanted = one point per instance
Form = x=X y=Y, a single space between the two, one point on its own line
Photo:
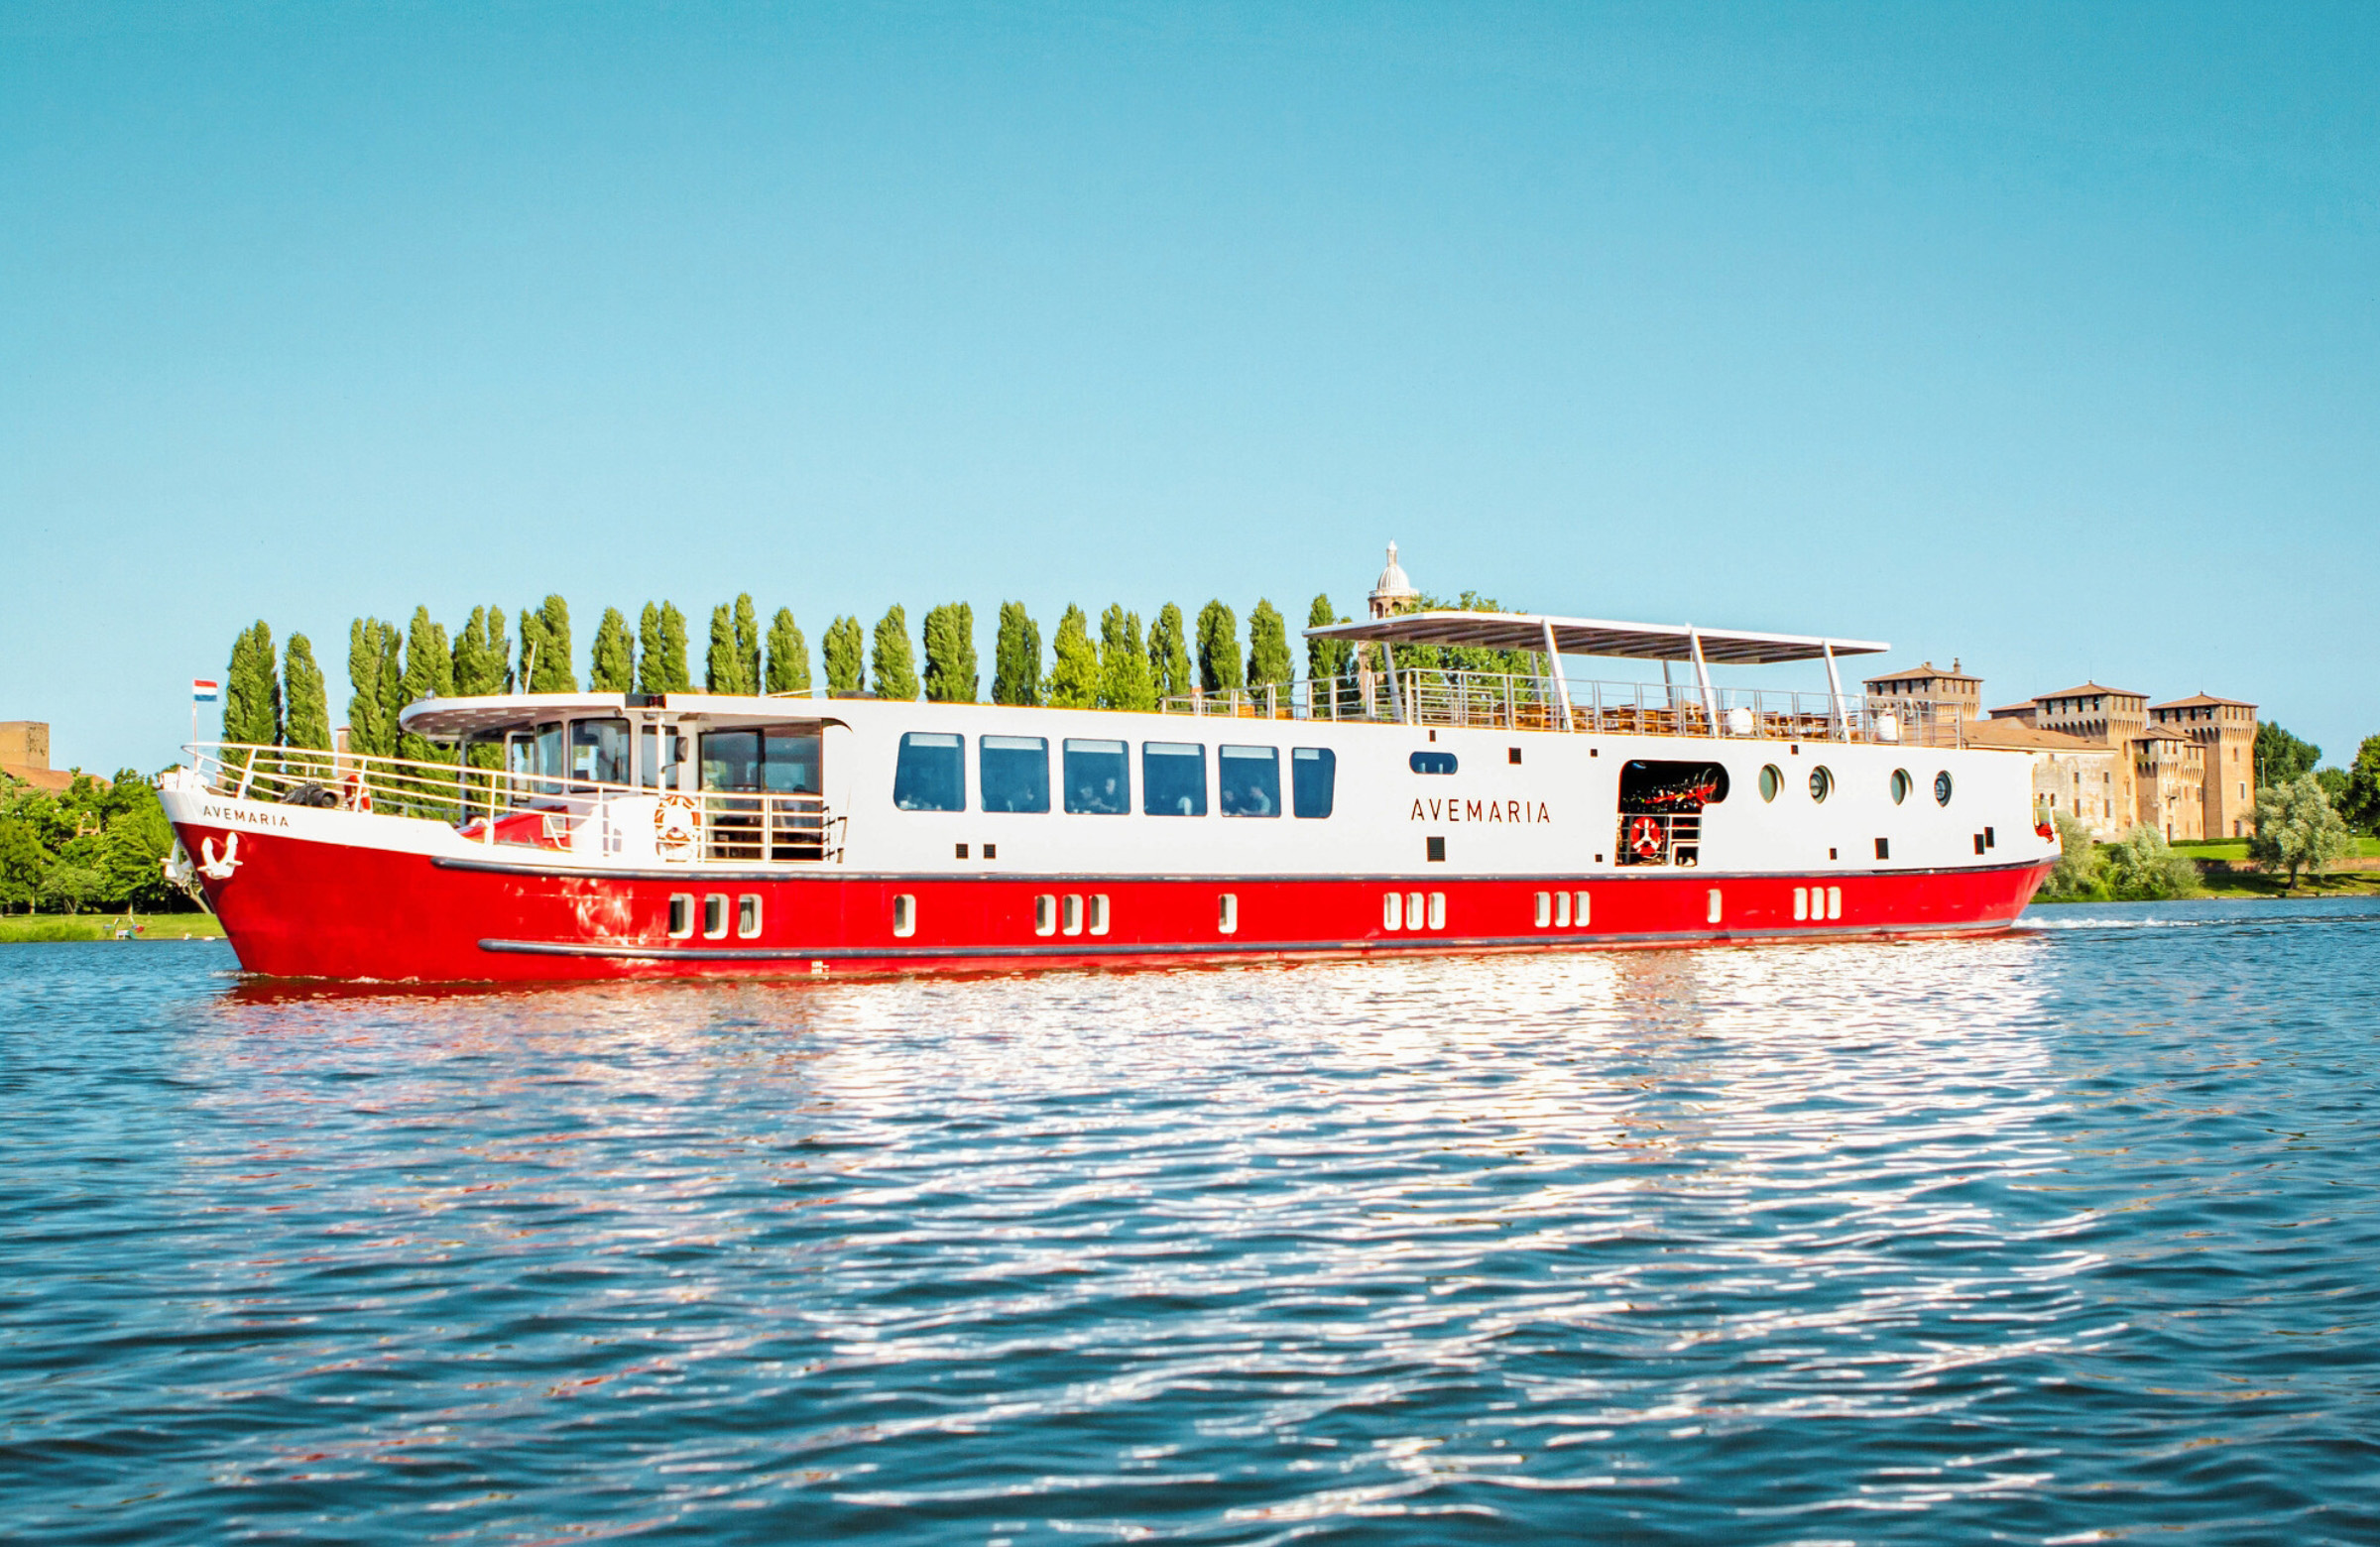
x=1392 y=590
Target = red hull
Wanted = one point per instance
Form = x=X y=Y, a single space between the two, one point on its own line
x=296 y=909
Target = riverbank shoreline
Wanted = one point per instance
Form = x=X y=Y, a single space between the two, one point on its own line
x=49 y=928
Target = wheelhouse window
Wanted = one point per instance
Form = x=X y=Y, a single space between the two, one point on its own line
x=599 y=750
x=1248 y=781
x=931 y=775
x=1173 y=779
x=1099 y=778
x=537 y=756
x=1013 y=772
x=1312 y=777
x=658 y=750
x=776 y=759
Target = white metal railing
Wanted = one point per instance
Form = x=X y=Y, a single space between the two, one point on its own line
x=505 y=809
x=1420 y=695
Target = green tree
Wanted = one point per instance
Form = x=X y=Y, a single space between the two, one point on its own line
x=788 y=655
x=1270 y=663
x=1170 y=654
x=309 y=721
x=2281 y=757
x=2141 y=866
x=1219 y=649
x=2333 y=782
x=950 y=674
x=662 y=650
x=2296 y=829
x=23 y=859
x=723 y=664
x=481 y=655
x=2360 y=805
x=1124 y=681
x=1074 y=672
x=1326 y=659
x=747 y=640
x=612 y=667
x=251 y=694
x=2077 y=873
x=429 y=673
x=894 y=662
x=373 y=675
x=545 y=647
x=844 y=653
x=132 y=853
x=1016 y=658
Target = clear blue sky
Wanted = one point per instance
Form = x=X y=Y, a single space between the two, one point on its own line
x=2044 y=337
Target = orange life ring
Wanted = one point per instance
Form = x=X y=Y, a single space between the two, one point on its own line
x=676 y=821
x=1646 y=837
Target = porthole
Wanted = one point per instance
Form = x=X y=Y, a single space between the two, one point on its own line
x=714 y=915
x=1941 y=787
x=681 y=915
x=1822 y=783
x=748 y=916
x=1900 y=786
x=905 y=915
x=1772 y=779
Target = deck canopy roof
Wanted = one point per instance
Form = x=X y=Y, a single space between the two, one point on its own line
x=1594 y=637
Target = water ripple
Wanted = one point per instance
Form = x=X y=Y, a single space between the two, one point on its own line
x=2062 y=1237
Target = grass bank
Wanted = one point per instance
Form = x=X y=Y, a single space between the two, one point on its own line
x=29 y=929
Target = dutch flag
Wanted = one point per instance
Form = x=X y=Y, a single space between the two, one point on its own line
x=204 y=693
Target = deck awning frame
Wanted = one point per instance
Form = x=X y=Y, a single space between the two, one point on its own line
x=1597 y=637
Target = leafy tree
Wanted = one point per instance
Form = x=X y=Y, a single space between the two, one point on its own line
x=2297 y=830
x=2333 y=782
x=71 y=884
x=1170 y=654
x=2281 y=757
x=894 y=662
x=252 y=693
x=428 y=672
x=1124 y=676
x=2360 y=804
x=843 y=652
x=1326 y=659
x=1270 y=663
x=661 y=650
x=2140 y=866
x=309 y=721
x=481 y=654
x=1074 y=673
x=950 y=674
x=612 y=667
x=747 y=640
x=545 y=647
x=723 y=664
x=1016 y=658
x=372 y=675
x=132 y=853
x=23 y=860
x=2077 y=873
x=1219 y=649
x=788 y=655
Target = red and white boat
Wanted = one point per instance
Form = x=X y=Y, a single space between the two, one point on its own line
x=1406 y=808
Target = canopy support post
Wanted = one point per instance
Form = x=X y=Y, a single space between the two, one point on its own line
x=1835 y=725
x=1553 y=673
x=1396 y=705
x=1701 y=677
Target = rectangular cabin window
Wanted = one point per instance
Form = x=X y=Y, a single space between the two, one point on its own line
x=1392 y=910
x=537 y=757
x=1045 y=914
x=1099 y=913
x=681 y=915
x=599 y=750
x=1226 y=913
x=1173 y=779
x=1561 y=910
x=1833 y=902
x=714 y=915
x=1099 y=778
x=905 y=915
x=931 y=775
x=1070 y=914
x=790 y=759
x=1248 y=781
x=658 y=750
x=1013 y=772
x=1801 y=903
x=1414 y=911
x=1313 y=774
x=1545 y=910
x=1580 y=918
x=748 y=916
x=1437 y=910
x=731 y=760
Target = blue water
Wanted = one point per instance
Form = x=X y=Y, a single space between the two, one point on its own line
x=2068 y=1236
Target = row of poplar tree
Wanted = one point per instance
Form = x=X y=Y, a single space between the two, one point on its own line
x=389 y=668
